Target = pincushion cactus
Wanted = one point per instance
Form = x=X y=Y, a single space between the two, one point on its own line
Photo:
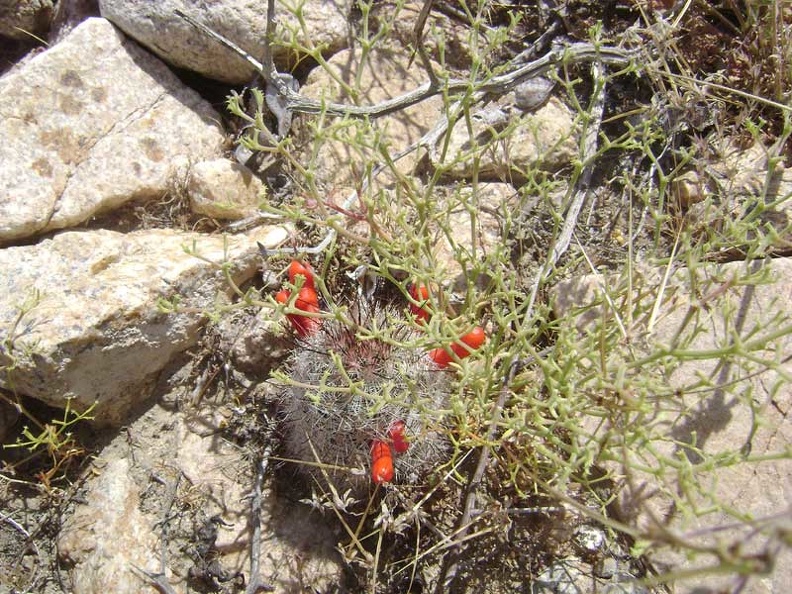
x=358 y=383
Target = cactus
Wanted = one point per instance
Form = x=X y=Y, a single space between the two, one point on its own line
x=349 y=385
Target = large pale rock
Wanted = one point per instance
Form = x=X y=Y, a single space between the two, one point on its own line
x=171 y=461
x=21 y=19
x=502 y=142
x=709 y=465
x=241 y=21
x=386 y=73
x=81 y=309
x=445 y=38
x=90 y=124
x=224 y=189
x=471 y=229
x=109 y=537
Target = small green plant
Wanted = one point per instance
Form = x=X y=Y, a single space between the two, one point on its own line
x=54 y=439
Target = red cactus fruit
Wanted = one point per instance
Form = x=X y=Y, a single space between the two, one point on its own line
x=297 y=268
x=308 y=301
x=381 y=462
x=466 y=345
x=421 y=312
x=398 y=437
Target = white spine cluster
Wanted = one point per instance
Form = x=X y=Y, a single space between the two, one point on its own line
x=348 y=386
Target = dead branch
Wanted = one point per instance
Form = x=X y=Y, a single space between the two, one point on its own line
x=256 y=585
x=581 y=189
x=294 y=102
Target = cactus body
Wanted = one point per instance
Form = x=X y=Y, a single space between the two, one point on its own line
x=349 y=384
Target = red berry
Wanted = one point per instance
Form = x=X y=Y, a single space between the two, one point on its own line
x=468 y=343
x=441 y=357
x=474 y=339
x=421 y=311
x=398 y=438
x=297 y=268
x=307 y=299
x=381 y=462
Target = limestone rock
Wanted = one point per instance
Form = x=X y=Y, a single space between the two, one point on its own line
x=108 y=537
x=240 y=21
x=504 y=142
x=223 y=189
x=176 y=461
x=90 y=124
x=81 y=309
x=473 y=236
x=386 y=73
x=722 y=422
x=21 y=19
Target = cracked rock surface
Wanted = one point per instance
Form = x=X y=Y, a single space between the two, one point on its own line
x=89 y=125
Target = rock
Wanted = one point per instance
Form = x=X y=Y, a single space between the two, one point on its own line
x=572 y=576
x=503 y=142
x=223 y=189
x=715 y=449
x=531 y=94
x=90 y=124
x=68 y=15
x=176 y=462
x=732 y=187
x=445 y=39
x=688 y=189
x=255 y=343
x=21 y=19
x=105 y=539
x=81 y=309
x=589 y=539
x=489 y=201
x=565 y=576
x=385 y=74
x=240 y=21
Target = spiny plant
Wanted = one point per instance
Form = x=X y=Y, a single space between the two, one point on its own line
x=349 y=385
x=552 y=408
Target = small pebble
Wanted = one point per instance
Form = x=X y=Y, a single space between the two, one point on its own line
x=589 y=539
x=533 y=93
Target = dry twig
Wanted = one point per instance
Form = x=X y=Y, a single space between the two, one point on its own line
x=570 y=54
x=256 y=585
